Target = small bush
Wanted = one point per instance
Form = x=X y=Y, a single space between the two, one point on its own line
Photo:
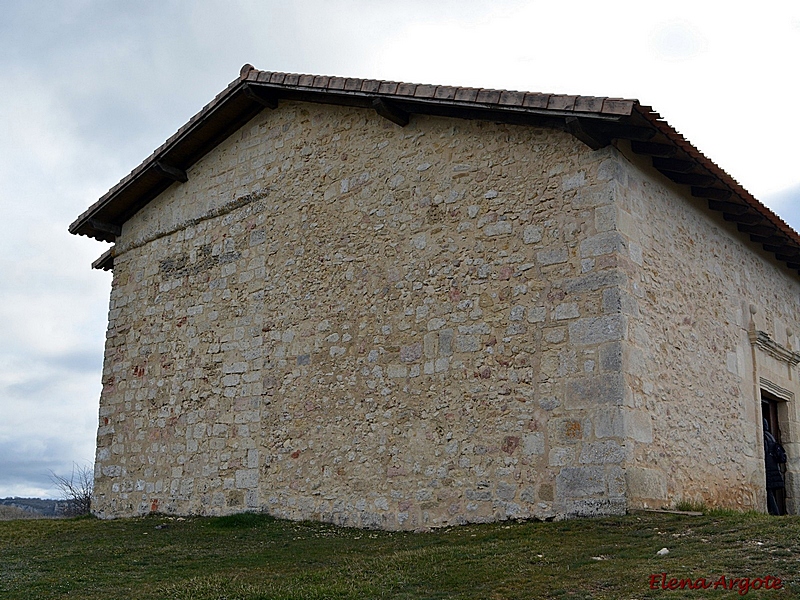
x=76 y=490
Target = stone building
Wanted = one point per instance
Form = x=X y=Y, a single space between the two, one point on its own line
x=391 y=305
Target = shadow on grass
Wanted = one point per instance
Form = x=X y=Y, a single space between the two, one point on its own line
x=245 y=520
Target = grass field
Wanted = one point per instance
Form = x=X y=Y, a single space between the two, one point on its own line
x=248 y=557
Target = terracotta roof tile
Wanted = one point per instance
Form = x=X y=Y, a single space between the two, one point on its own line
x=588 y=104
x=321 y=81
x=370 y=86
x=445 y=92
x=277 y=78
x=291 y=79
x=406 y=89
x=509 y=98
x=262 y=76
x=561 y=102
x=488 y=96
x=617 y=106
x=336 y=83
x=352 y=85
x=306 y=80
x=425 y=91
x=536 y=100
x=387 y=87
x=466 y=94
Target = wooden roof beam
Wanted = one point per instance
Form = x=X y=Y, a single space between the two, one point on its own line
x=750 y=218
x=767 y=240
x=711 y=193
x=696 y=179
x=765 y=230
x=587 y=133
x=265 y=98
x=170 y=172
x=106 y=261
x=672 y=164
x=728 y=207
x=110 y=228
x=653 y=149
x=390 y=111
x=622 y=131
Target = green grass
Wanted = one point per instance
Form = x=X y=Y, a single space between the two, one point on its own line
x=691 y=507
x=249 y=557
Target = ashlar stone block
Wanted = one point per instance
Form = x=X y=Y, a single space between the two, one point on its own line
x=597 y=330
x=586 y=392
x=645 y=483
x=580 y=482
x=602 y=452
x=603 y=243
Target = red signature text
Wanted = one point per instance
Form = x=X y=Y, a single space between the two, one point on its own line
x=661 y=581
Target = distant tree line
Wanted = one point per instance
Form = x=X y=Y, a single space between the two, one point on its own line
x=38 y=506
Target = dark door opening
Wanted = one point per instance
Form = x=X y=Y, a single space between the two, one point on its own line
x=769 y=412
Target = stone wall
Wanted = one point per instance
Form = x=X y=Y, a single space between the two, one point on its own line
x=337 y=318
x=689 y=361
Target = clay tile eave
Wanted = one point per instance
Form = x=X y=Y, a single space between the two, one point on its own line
x=723 y=178
x=618 y=106
x=133 y=188
x=81 y=225
x=232 y=104
x=336 y=88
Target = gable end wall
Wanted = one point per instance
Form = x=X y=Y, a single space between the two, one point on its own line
x=340 y=319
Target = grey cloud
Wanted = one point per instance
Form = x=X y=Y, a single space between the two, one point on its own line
x=86 y=361
x=25 y=467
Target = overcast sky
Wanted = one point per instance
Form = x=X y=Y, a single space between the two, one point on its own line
x=89 y=88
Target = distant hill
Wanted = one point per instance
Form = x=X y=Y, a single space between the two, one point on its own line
x=37 y=506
